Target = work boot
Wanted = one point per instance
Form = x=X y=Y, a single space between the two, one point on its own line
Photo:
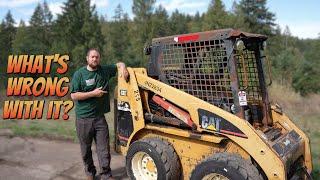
x=90 y=177
x=106 y=177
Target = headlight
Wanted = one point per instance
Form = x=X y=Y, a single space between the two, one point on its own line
x=240 y=45
x=264 y=45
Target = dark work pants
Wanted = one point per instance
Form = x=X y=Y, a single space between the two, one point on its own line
x=96 y=129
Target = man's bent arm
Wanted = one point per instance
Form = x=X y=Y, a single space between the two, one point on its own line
x=81 y=95
x=98 y=92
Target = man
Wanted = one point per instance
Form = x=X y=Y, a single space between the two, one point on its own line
x=90 y=91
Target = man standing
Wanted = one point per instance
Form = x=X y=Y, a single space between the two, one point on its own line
x=90 y=92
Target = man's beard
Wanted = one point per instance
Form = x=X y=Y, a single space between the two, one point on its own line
x=93 y=65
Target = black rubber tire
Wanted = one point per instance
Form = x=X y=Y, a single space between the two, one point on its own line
x=229 y=165
x=163 y=155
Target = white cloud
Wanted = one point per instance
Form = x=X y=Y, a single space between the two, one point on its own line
x=181 y=4
x=100 y=3
x=16 y=3
x=25 y=11
x=55 y=8
x=302 y=29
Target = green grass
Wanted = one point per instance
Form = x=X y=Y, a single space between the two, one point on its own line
x=311 y=126
x=59 y=129
x=51 y=129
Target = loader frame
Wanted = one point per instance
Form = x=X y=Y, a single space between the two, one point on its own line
x=275 y=149
x=266 y=157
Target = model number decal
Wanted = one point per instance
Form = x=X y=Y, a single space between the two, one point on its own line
x=137 y=95
x=153 y=86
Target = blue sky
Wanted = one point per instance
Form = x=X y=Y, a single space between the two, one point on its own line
x=302 y=17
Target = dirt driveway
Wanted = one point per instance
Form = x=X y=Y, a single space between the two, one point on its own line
x=38 y=159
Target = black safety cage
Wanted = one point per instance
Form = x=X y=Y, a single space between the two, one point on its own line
x=209 y=66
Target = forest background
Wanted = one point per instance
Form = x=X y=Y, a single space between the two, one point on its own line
x=295 y=62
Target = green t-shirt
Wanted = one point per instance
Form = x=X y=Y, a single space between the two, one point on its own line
x=84 y=81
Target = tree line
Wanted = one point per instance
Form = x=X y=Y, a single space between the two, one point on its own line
x=295 y=62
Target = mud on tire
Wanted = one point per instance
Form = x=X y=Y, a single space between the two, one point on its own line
x=163 y=155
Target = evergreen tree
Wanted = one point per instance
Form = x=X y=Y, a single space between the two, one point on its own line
x=37 y=32
x=178 y=23
x=47 y=14
x=258 y=17
x=37 y=18
x=118 y=13
x=160 y=23
x=286 y=62
x=142 y=10
x=47 y=24
x=306 y=77
x=22 y=42
x=118 y=36
x=237 y=18
x=196 y=24
x=8 y=32
x=76 y=30
x=216 y=17
x=284 y=55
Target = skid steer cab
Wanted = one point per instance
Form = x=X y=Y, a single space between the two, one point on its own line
x=201 y=111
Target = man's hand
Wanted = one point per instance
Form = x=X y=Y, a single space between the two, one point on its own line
x=98 y=92
x=123 y=70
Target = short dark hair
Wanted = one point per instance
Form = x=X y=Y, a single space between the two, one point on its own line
x=93 y=49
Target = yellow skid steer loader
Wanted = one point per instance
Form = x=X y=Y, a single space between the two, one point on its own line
x=201 y=111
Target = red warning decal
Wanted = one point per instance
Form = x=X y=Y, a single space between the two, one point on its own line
x=185 y=38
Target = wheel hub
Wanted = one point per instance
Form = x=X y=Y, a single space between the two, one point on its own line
x=143 y=166
x=214 y=176
x=150 y=166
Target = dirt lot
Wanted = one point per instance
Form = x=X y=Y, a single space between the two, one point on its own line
x=39 y=159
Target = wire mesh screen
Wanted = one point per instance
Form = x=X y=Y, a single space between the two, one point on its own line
x=249 y=76
x=200 y=69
